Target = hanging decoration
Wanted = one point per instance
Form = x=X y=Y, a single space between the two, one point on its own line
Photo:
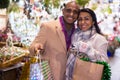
x=82 y=2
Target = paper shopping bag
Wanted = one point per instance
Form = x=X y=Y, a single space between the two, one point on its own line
x=84 y=70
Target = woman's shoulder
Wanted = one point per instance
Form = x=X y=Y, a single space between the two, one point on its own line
x=100 y=37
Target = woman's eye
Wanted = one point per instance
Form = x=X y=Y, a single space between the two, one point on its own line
x=85 y=19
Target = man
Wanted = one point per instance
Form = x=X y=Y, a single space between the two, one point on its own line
x=55 y=37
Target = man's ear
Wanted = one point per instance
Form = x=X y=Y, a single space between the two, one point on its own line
x=63 y=10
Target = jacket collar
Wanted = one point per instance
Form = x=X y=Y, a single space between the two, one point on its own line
x=60 y=33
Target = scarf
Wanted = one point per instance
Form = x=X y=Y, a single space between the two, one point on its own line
x=67 y=34
x=77 y=36
x=83 y=35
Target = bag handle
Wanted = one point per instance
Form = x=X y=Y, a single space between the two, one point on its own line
x=38 y=54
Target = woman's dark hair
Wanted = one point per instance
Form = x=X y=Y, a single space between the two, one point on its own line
x=94 y=18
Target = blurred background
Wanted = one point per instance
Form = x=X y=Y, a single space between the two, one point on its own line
x=23 y=18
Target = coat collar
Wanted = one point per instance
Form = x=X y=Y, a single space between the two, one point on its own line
x=60 y=33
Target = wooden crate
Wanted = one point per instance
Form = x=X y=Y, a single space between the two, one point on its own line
x=11 y=73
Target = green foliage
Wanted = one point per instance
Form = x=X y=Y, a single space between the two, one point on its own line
x=50 y=3
x=13 y=7
x=94 y=6
x=107 y=70
x=4 y=4
x=47 y=3
x=107 y=9
x=56 y=3
x=82 y=2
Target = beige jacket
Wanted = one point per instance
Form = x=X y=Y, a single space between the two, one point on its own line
x=53 y=40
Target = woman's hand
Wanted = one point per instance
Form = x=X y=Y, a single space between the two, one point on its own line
x=84 y=47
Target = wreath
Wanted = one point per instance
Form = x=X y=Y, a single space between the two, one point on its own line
x=4 y=4
x=107 y=70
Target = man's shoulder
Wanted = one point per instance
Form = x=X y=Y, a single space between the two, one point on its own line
x=51 y=22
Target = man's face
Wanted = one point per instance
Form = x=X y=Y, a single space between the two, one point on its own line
x=70 y=12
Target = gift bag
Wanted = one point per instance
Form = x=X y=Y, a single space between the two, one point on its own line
x=84 y=70
x=36 y=72
x=36 y=69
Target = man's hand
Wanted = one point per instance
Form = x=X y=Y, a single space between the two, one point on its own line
x=38 y=49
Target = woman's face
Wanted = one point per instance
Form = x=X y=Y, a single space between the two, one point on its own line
x=85 y=21
x=70 y=12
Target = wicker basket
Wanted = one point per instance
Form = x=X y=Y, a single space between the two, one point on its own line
x=2 y=44
x=13 y=61
x=15 y=44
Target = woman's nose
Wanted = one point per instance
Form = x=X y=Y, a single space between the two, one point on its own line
x=82 y=21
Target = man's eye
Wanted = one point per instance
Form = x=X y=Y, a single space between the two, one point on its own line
x=71 y=11
x=75 y=12
x=68 y=10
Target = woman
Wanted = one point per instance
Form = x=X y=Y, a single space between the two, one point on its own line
x=87 y=41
